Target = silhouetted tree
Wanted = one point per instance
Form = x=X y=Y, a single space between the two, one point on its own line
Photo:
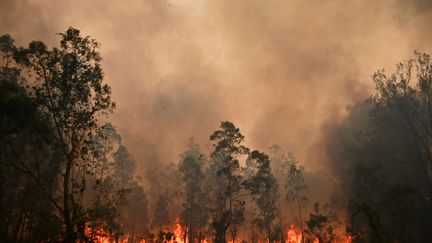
x=134 y=218
x=161 y=217
x=66 y=86
x=319 y=227
x=111 y=178
x=264 y=190
x=229 y=210
x=382 y=151
x=296 y=187
x=407 y=95
x=28 y=159
x=195 y=209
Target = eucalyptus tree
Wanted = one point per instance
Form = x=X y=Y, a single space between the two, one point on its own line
x=390 y=156
x=229 y=205
x=67 y=86
x=28 y=162
x=263 y=187
x=195 y=209
x=320 y=226
x=296 y=188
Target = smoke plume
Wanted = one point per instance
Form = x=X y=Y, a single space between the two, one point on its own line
x=280 y=70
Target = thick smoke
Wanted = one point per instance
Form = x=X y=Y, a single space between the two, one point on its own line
x=280 y=70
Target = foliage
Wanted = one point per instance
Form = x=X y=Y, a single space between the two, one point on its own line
x=53 y=146
x=263 y=186
x=320 y=226
x=229 y=210
x=387 y=157
x=295 y=186
x=195 y=210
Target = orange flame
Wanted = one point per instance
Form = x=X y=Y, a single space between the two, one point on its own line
x=178 y=232
x=350 y=239
x=293 y=235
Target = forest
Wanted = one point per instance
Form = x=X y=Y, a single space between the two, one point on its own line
x=66 y=175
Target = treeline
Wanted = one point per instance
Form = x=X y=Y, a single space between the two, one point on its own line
x=237 y=194
x=65 y=174
x=381 y=154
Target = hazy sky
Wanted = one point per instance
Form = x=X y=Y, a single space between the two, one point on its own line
x=280 y=70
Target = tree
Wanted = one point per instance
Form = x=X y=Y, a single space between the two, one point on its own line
x=320 y=227
x=225 y=157
x=407 y=93
x=134 y=215
x=27 y=155
x=280 y=162
x=374 y=232
x=161 y=215
x=67 y=87
x=111 y=178
x=263 y=186
x=195 y=210
x=382 y=156
x=296 y=187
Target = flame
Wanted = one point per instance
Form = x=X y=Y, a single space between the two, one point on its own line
x=293 y=235
x=100 y=236
x=178 y=232
x=234 y=241
x=350 y=239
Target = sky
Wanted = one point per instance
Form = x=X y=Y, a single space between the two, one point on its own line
x=281 y=70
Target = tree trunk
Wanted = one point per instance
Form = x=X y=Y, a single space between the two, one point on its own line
x=300 y=216
x=70 y=234
x=221 y=229
x=269 y=233
x=220 y=236
x=18 y=226
x=221 y=225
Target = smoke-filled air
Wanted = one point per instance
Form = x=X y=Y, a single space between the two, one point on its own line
x=216 y=121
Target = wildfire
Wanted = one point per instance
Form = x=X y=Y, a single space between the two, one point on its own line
x=293 y=234
x=98 y=235
x=101 y=236
x=232 y=241
x=178 y=232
